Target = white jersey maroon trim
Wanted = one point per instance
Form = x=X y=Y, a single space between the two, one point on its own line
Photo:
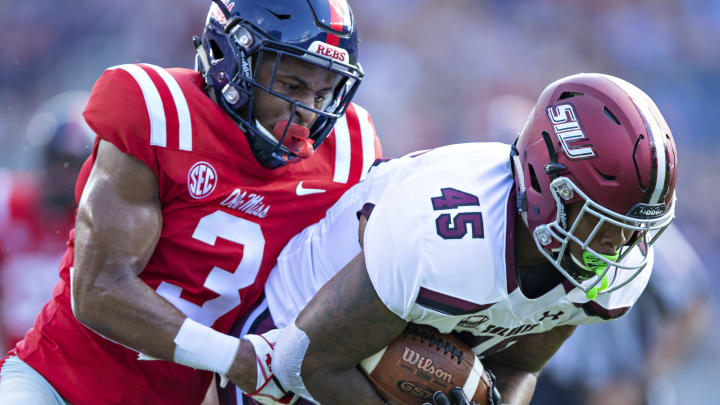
x=453 y=281
x=592 y=308
x=447 y=304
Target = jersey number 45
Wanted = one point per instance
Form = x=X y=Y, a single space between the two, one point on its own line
x=457 y=227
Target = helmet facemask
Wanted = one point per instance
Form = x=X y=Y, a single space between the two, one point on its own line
x=276 y=144
x=595 y=266
x=229 y=55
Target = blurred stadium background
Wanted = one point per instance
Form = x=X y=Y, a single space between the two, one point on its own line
x=437 y=72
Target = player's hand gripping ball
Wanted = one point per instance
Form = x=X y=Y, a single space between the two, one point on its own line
x=422 y=361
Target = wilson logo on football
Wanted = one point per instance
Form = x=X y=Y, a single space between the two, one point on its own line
x=201 y=180
x=334 y=52
x=425 y=365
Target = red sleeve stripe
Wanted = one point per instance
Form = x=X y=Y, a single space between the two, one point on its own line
x=156 y=106
x=356 y=147
x=342 y=151
x=367 y=130
x=183 y=111
x=153 y=103
x=168 y=106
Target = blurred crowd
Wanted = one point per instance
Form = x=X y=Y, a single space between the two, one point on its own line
x=437 y=72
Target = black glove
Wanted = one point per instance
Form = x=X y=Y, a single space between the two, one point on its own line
x=457 y=397
x=494 y=397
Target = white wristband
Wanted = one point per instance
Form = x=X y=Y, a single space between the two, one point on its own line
x=290 y=352
x=202 y=347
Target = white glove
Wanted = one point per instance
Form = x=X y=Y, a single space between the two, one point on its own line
x=268 y=390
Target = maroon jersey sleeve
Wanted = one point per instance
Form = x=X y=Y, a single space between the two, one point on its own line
x=118 y=112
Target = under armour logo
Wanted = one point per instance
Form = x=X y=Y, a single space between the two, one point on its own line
x=554 y=317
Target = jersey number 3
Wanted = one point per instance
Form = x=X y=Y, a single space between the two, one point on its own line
x=457 y=227
x=220 y=224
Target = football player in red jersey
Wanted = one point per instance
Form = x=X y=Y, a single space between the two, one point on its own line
x=196 y=181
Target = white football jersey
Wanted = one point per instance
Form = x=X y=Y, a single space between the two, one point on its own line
x=439 y=250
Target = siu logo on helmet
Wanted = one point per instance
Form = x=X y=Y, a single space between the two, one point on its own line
x=201 y=180
x=566 y=125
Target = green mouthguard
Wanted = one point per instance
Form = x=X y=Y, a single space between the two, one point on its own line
x=597 y=266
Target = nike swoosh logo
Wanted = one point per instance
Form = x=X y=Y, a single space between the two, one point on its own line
x=300 y=190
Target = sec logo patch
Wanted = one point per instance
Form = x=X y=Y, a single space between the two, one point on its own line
x=201 y=180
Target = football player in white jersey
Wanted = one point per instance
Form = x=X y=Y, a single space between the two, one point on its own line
x=510 y=246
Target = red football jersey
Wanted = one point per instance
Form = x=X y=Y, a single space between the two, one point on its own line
x=225 y=219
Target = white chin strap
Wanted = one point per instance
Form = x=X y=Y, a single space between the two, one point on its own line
x=578 y=262
x=202 y=56
x=264 y=132
x=521 y=184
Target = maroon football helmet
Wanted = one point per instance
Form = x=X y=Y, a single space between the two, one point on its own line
x=600 y=140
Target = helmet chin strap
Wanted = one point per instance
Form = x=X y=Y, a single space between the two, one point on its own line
x=578 y=262
x=520 y=177
x=551 y=168
x=202 y=57
x=264 y=132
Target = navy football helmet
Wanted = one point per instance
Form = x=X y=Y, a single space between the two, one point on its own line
x=240 y=33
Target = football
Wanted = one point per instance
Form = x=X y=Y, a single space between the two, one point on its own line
x=421 y=361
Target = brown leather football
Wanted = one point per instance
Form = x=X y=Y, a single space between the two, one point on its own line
x=421 y=361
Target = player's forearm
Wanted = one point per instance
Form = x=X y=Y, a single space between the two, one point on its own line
x=344 y=387
x=516 y=386
x=129 y=312
x=344 y=323
x=118 y=224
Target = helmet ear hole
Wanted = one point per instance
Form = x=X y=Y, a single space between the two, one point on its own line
x=569 y=94
x=610 y=115
x=215 y=52
x=534 y=183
